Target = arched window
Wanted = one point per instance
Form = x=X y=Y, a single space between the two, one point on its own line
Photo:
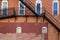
x=38 y=7
x=21 y=8
x=18 y=30
x=44 y=29
x=4 y=7
x=55 y=7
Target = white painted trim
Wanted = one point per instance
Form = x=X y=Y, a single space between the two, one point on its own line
x=2 y=7
x=55 y=0
x=53 y=7
x=40 y=6
x=19 y=9
x=18 y=30
x=44 y=30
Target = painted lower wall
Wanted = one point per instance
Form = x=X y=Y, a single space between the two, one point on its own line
x=26 y=28
x=52 y=33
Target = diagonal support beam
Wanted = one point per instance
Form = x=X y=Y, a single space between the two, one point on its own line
x=29 y=7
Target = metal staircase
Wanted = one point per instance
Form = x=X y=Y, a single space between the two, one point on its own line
x=46 y=15
x=29 y=6
x=52 y=20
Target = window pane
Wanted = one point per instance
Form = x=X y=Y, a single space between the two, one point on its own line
x=4 y=11
x=55 y=6
x=21 y=12
x=4 y=8
x=21 y=6
x=55 y=12
x=38 y=8
x=4 y=5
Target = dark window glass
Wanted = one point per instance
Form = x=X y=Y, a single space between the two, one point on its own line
x=21 y=6
x=55 y=6
x=38 y=8
x=55 y=10
x=21 y=12
x=4 y=11
x=4 y=8
x=21 y=9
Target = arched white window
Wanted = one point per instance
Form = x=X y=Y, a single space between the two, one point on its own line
x=38 y=7
x=4 y=7
x=18 y=30
x=21 y=8
x=55 y=7
x=44 y=29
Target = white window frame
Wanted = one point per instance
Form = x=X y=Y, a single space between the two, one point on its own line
x=19 y=9
x=44 y=30
x=38 y=1
x=53 y=7
x=2 y=7
x=18 y=30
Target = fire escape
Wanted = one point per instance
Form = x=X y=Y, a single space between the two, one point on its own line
x=45 y=14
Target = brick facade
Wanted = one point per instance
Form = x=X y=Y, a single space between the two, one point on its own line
x=47 y=4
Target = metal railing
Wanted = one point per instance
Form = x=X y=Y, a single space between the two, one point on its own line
x=12 y=13
x=7 y=13
x=52 y=19
x=47 y=14
x=29 y=7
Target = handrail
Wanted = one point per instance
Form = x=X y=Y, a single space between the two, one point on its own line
x=33 y=6
x=49 y=15
x=12 y=13
x=52 y=17
x=9 y=9
x=28 y=1
x=31 y=3
x=54 y=21
x=29 y=7
x=9 y=14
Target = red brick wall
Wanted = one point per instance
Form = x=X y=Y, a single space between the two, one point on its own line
x=26 y=27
